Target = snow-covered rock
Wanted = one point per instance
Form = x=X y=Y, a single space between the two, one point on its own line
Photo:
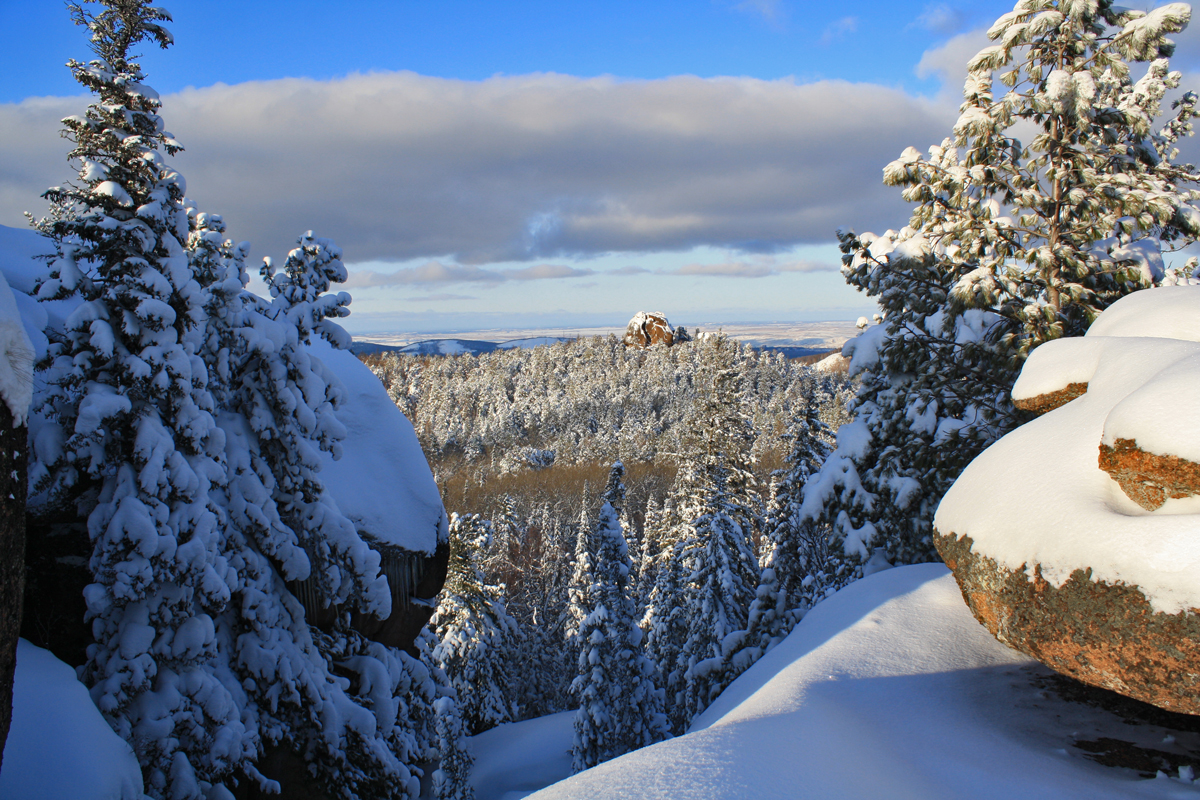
x=1074 y=537
x=888 y=689
x=382 y=481
x=59 y=747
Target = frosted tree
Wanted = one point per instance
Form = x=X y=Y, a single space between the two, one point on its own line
x=708 y=569
x=582 y=573
x=476 y=634
x=619 y=707
x=452 y=778
x=136 y=442
x=793 y=548
x=1010 y=244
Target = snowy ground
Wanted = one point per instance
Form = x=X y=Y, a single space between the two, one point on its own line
x=889 y=689
x=59 y=747
x=815 y=335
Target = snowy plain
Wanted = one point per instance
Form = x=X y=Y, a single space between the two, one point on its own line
x=888 y=689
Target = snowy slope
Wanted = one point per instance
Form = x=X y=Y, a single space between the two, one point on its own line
x=59 y=747
x=446 y=347
x=889 y=689
x=382 y=481
x=533 y=341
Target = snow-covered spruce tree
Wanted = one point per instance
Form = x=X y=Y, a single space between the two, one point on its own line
x=185 y=422
x=476 y=634
x=546 y=652
x=791 y=551
x=1010 y=244
x=619 y=707
x=452 y=778
x=278 y=411
x=708 y=568
x=136 y=444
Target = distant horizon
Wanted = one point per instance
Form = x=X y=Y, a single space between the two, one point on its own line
x=815 y=334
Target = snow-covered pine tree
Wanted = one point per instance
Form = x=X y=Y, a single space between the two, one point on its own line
x=476 y=634
x=547 y=660
x=277 y=410
x=1009 y=245
x=582 y=573
x=135 y=442
x=619 y=707
x=452 y=778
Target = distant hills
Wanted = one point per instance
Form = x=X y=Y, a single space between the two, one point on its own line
x=451 y=347
x=456 y=347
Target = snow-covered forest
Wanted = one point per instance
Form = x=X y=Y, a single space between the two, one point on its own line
x=257 y=566
x=522 y=442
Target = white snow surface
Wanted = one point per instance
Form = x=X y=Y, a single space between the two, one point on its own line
x=1038 y=495
x=888 y=689
x=1166 y=312
x=518 y=758
x=16 y=357
x=59 y=747
x=382 y=481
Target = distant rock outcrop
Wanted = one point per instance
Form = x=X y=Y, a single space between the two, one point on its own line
x=1073 y=538
x=651 y=328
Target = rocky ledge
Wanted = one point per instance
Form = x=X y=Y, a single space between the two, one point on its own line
x=1103 y=634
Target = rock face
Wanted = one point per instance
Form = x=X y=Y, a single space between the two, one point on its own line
x=1048 y=401
x=1147 y=478
x=1099 y=633
x=1072 y=538
x=649 y=328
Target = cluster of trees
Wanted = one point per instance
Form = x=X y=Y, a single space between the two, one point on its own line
x=636 y=607
x=582 y=401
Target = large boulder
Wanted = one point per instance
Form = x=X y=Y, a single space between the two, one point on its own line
x=651 y=328
x=1073 y=538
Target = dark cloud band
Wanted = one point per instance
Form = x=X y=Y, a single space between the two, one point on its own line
x=398 y=166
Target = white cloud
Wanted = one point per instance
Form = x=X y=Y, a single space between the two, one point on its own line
x=940 y=18
x=545 y=272
x=761 y=267
x=769 y=10
x=838 y=29
x=398 y=166
x=438 y=272
x=948 y=61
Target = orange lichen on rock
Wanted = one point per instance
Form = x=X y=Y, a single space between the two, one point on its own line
x=1051 y=400
x=1148 y=479
x=1102 y=634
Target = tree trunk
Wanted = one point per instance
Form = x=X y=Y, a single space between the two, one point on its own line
x=13 y=444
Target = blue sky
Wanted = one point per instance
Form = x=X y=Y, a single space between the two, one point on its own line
x=230 y=42
x=522 y=164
